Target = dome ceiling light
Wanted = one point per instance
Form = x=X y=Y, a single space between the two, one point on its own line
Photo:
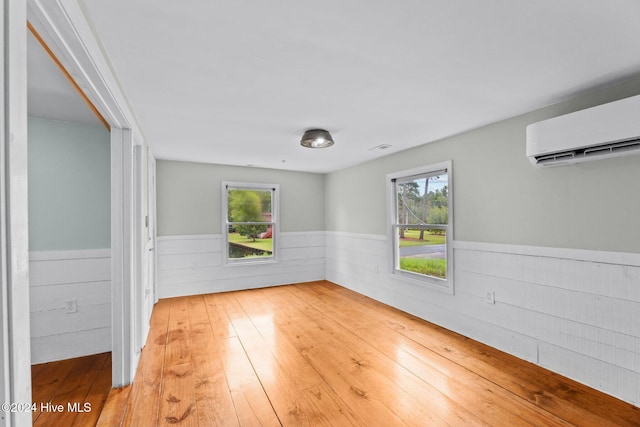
x=316 y=138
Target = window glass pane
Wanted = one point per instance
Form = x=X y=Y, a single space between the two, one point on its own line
x=250 y=240
x=423 y=251
x=242 y=246
x=248 y=205
x=423 y=200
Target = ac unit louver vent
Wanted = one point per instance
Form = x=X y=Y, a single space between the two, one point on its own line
x=619 y=147
x=555 y=158
x=610 y=150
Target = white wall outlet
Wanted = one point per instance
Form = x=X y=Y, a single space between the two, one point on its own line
x=71 y=306
x=490 y=297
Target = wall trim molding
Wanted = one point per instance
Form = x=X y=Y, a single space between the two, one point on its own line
x=606 y=257
x=356 y=235
x=69 y=254
x=303 y=233
x=219 y=236
x=189 y=237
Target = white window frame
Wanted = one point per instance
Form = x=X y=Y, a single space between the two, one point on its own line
x=444 y=285
x=275 y=222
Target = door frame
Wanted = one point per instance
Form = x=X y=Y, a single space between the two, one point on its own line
x=152 y=231
x=15 y=337
x=63 y=26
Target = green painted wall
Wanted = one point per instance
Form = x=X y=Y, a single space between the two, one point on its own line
x=499 y=197
x=69 y=186
x=189 y=199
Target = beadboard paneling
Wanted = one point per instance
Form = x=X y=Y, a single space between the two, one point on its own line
x=574 y=312
x=70 y=345
x=60 y=276
x=190 y=265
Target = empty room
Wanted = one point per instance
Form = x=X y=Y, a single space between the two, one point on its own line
x=331 y=213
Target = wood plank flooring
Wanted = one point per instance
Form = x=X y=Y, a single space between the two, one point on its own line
x=76 y=382
x=319 y=354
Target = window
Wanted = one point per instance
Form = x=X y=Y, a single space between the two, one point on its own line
x=421 y=224
x=250 y=222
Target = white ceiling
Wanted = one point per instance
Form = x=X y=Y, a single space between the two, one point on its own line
x=49 y=93
x=238 y=82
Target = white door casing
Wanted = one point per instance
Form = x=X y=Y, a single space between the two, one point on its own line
x=65 y=29
x=15 y=350
x=150 y=291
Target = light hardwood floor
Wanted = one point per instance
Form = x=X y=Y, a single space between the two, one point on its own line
x=319 y=354
x=76 y=382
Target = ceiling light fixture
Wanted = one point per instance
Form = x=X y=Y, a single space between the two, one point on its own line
x=316 y=138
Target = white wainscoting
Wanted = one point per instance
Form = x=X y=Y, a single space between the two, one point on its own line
x=60 y=276
x=574 y=312
x=191 y=265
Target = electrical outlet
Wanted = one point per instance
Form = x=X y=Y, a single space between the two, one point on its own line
x=71 y=306
x=490 y=297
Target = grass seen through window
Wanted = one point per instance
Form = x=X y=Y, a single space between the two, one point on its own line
x=411 y=238
x=429 y=265
x=262 y=247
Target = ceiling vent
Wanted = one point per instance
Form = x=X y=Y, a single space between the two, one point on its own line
x=380 y=147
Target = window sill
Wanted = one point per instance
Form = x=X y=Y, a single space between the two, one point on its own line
x=244 y=263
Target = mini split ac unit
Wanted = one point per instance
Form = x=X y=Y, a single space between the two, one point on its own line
x=608 y=130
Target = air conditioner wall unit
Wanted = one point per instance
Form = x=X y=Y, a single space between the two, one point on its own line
x=605 y=131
